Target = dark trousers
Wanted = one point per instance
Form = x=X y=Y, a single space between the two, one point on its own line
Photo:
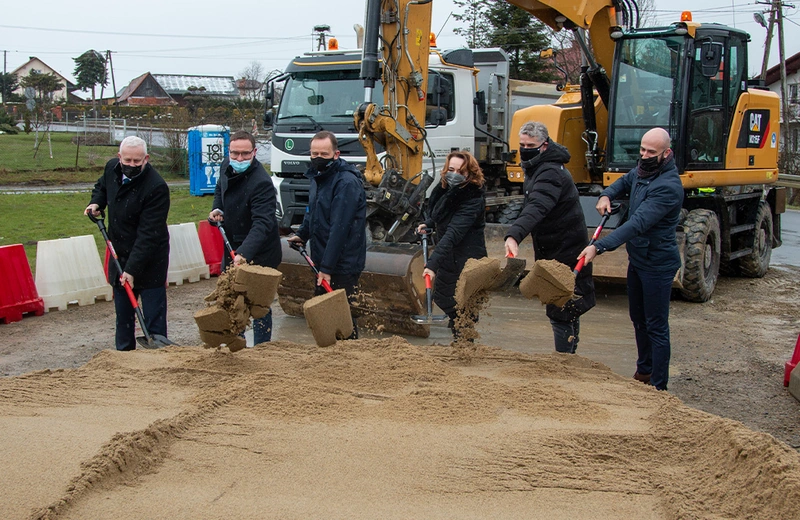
x=154 y=308
x=262 y=328
x=648 y=301
x=348 y=282
x=565 y=334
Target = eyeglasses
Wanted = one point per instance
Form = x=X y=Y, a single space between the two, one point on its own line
x=236 y=155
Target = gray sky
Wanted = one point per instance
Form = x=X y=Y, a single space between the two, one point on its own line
x=215 y=38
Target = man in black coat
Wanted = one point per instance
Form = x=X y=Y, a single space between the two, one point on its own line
x=245 y=203
x=138 y=203
x=656 y=198
x=335 y=219
x=552 y=215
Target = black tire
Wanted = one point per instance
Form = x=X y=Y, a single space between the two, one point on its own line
x=702 y=256
x=756 y=264
x=510 y=213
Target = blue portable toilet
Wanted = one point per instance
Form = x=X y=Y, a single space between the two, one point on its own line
x=208 y=146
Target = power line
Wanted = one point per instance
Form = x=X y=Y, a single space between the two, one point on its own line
x=151 y=35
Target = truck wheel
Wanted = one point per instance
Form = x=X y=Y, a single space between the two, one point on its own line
x=701 y=259
x=510 y=213
x=755 y=264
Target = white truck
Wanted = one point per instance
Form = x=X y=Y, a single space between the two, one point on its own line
x=470 y=102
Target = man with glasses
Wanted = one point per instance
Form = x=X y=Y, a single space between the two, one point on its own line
x=245 y=203
x=656 y=197
x=552 y=215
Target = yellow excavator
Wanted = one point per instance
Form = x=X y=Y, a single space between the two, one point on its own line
x=687 y=77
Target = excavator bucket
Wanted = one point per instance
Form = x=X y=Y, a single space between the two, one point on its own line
x=391 y=288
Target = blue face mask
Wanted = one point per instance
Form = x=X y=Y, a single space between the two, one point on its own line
x=240 y=166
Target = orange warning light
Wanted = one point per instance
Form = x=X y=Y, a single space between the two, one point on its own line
x=686 y=16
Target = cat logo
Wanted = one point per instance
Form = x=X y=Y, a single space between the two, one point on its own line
x=755 y=122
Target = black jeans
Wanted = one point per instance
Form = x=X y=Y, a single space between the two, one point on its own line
x=648 y=301
x=565 y=334
x=154 y=308
x=348 y=282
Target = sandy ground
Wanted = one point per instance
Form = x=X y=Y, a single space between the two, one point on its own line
x=388 y=428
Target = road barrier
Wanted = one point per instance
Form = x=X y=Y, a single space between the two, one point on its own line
x=186 y=259
x=18 y=293
x=68 y=270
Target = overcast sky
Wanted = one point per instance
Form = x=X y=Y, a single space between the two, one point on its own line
x=207 y=37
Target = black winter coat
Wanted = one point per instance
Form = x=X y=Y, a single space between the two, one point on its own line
x=137 y=224
x=335 y=220
x=248 y=203
x=552 y=215
x=458 y=216
x=653 y=216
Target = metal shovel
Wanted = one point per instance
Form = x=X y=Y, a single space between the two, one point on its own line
x=302 y=250
x=430 y=318
x=596 y=235
x=148 y=340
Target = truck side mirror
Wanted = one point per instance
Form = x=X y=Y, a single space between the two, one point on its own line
x=269 y=118
x=270 y=94
x=710 y=58
x=480 y=107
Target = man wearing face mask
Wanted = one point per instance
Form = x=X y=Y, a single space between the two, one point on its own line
x=456 y=210
x=656 y=198
x=245 y=203
x=552 y=215
x=138 y=203
x=335 y=219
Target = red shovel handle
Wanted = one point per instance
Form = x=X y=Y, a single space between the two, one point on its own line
x=326 y=285
x=428 y=284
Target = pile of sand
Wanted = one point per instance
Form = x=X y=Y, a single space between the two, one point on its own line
x=373 y=429
x=242 y=292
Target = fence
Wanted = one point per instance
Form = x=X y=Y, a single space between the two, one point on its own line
x=63 y=140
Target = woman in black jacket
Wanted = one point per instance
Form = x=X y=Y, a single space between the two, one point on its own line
x=456 y=209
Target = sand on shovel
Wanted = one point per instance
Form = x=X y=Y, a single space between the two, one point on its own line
x=328 y=317
x=550 y=281
x=243 y=291
x=477 y=278
x=478 y=274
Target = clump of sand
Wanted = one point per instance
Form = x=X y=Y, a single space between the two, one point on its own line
x=549 y=280
x=373 y=428
x=242 y=292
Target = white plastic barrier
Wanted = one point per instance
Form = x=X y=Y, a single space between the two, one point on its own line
x=69 y=270
x=186 y=260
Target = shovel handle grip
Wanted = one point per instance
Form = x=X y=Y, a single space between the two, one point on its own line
x=428 y=284
x=579 y=266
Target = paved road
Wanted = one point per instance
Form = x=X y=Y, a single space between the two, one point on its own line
x=789 y=252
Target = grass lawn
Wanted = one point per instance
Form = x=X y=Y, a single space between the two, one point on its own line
x=31 y=217
x=18 y=166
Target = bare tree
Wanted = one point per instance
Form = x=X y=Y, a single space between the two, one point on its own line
x=251 y=80
x=647 y=13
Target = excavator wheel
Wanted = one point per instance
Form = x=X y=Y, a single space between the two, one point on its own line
x=702 y=257
x=755 y=264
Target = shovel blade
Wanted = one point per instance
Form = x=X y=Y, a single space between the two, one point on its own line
x=510 y=274
x=432 y=319
x=157 y=341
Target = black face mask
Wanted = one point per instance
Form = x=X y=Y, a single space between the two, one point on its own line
x=649 y=164
x=526 y=154
x=130 y=171
x=320 y=164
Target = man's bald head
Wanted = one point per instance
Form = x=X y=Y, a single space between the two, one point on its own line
x=655 y=141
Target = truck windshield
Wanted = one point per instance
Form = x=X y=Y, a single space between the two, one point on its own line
x=323 y=97
x=646 y=93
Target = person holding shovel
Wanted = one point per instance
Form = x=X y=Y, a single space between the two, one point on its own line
x=552 y=215
x=656 y=198
x=455 y=209
x=137 y=199
x=335 y=219
x=245 y=203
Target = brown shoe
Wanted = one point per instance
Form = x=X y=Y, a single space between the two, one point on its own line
x=644 y=378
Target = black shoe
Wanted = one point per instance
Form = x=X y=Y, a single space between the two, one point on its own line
x=644 y=378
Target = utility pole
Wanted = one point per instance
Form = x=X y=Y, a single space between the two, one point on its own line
x=3 y=93
x=768 y=42
x=113 y=83
x=784 y=94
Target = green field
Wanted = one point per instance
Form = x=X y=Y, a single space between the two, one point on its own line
x=31 y=217
x=18 y=165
